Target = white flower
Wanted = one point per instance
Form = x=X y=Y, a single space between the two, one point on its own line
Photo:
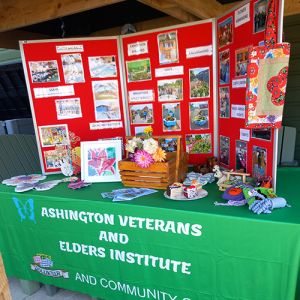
x=150 y=145
x=133 y=144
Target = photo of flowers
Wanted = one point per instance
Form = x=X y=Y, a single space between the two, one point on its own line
x=241 y=61
x=68 y=108
x=141 y=113
x=102 y=66
x=73 y=68
x=171 y=117
x=225 y=33
x=168 y=144
x=199 y=83
x=224 y=67
x=199 y=117
x=168 y=47
x=224 y=102
x=54 y=135
x=170 y=89
x=198 y=143
x=99 y=160
x=259 y=162
x=44 y=71
x=241 y=156
x=224 y=150
x=138 y=70
x=260 y=15
x=53 y=158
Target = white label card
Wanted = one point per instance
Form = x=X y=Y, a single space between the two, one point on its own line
x=199 y=51
x=245 y=135
x=141 y=95
x=69 y=48
x=238 y=83
x=55 y=91
x=238 y=111
x=242 y=15
x=138 y=48
x=106 y=125
x=169 y=71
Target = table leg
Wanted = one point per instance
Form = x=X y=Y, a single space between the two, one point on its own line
x=29 y=287
x=51 y=290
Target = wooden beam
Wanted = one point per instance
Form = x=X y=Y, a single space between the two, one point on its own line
x=19 y=13
x=140 y=26
x=170 y=8
x=292 y=7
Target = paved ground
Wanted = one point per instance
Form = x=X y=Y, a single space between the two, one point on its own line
x=17 y=294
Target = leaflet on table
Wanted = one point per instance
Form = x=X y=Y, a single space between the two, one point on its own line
x=199 y=51
x=138 y=48
x=245 y=135
x=141 y=95
x=238 y=111
x=55 y=91
x=106 y=125
x=238 y=83
x=242 y=15
x=69 y=48
x=169 y=71
x=128 y=193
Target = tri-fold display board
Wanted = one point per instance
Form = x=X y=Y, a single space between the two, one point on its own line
x=187 y=80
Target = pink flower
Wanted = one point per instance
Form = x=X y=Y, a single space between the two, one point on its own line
x=143 y=159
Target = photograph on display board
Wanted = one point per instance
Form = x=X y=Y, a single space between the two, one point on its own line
x=241 y=156
x=198 y=143
x=68 y=108
x=224 y=150
x=170 y=89
x=44 y=71
x=241 y=61
x=138 y=70
x=224 y=67
x=141 y=113
x=106 y=110
x=53 y=135
x=199 y=117
x=102 y=66
x=199 y=83
x=259 y=162
x=224 y=102
x=106 y=90
x=139 y=130
x=73 y=68
x=262 y=134
x=260 y=15
x=171 y=117
x=168 y=144
x=168 y=47
x=53 y=158
x=225 y=32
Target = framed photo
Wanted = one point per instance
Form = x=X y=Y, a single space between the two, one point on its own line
x=260 y=15
x=102 y=66
x=199 y=116
x=138 y=70
x=259 y=162
x=199 y=83
x=170 y=89
x=168 y=144
x=224 y=67
x=168 y=47
x=68 y=108
x=53 y=158
x=73 y=68
x=141 y=113
x=198 y=143
x=99 y=160
x=225 y=32
x=44 y=71
x=139 y=130
x=241 y=156
x=224 y=102
x=262 y=134
x=171 y=115
x=54 y=135
x=224 y=150
x=241 y=61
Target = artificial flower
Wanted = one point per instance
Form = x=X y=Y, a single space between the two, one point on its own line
x=148 y=131
x=150 y=145
x=143 y=159
x=132 y=144
x=159 y=155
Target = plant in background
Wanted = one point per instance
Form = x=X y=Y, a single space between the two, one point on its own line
x=145 y=151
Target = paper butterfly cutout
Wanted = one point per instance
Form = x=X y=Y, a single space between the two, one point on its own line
x=33 y=178
x=38 y=186
x=78 y=185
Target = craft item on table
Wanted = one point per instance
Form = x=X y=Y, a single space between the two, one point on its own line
x=175 y=190
x=208 y=167
x=190 y=191
x=32 y=178
x=209 y=177
x=265 y=182
x=69 y=179
x=234 y=196
x=38 y=186
x=196 y=184
x=66 y=167
x=219 y=174
x=258 y=193
x=78 y=184
x=127 y=194
x=199 y=194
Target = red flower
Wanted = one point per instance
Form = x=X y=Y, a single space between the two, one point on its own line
x=252 y=70
x=261 y=52
x=276 y=93
x=284 y=72
x=286 y=48
x=278 y=100
x=251 y=98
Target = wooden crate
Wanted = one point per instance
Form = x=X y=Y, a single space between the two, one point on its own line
x=157 y=176
x=4 y=287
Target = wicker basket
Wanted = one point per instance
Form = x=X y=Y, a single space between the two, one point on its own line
x=4 y=287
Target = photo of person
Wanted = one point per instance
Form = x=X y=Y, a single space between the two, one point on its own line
x=102 y=66
x=225 y=35
x=224 y=67
x=199 y=118
x=141 y=114
x=241 y=156
x=259 y=162
x=224 y=102
x=241 y=61
x=168 y=47
x=224 y=150
x=73 y=68
x=171 y=117
x=199 y=83
x=44 y=71
x=138 y=70
x=198 y=143
x=68 y=108
x=260 y=15
x=170 y=89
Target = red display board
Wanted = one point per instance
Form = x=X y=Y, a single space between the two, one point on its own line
x=240 y=148
x=170 y=84
x=76 y=93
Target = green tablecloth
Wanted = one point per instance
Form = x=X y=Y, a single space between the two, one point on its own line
x=152 y=247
